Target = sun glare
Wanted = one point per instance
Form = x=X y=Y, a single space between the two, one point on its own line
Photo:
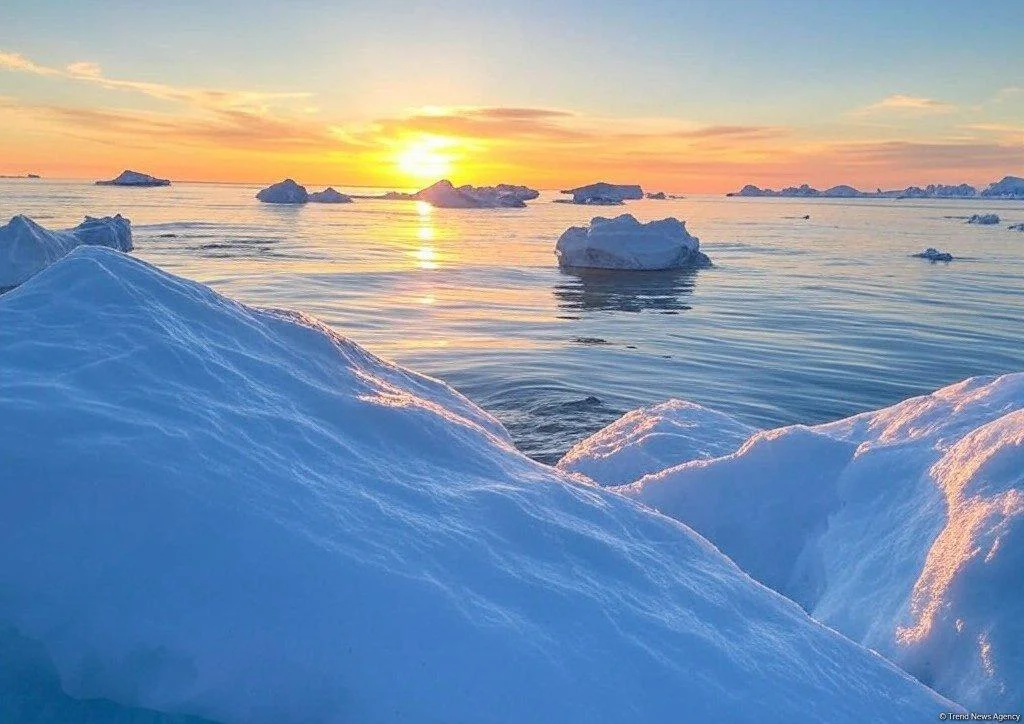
x=425 y=159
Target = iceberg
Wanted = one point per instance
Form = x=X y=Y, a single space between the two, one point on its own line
x=657 y=196
x=329 y=196
x=26 y=248
x=933 y=254
x=931 y=191
x=284 y=192
x=444 y=195
x=234 y=513
x=653 y=438
x=1015 y=227
x=1011 y=187
x=134 y=178
x=984 y=219
x=625 y=243
x=602 y=193
x=902 y=529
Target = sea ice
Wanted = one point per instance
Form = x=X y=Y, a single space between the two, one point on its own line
x=986 y=219
x=902 y=528
x=284 y=192
x=134 y=178
x=625 y=243
x=329 y=196
x=27 y=248
x=933 y=254
x=230 y=512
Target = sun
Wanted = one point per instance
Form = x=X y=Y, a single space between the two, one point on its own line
x=425 y=159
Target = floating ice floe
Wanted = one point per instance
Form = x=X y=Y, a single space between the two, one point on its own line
x=134 y=178
x=27 y=248
x=284 y=192
x=653 y=438
x=444 y=195
x=1015 y=227
x=235 y=513
x=902 y=528
x=625 y=243
x=602 y=193
x=933 y=254
x=985 y=219
x=329 y=196
x=657 y=196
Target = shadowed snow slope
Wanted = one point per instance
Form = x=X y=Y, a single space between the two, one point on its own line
x=653 y=438
x=27 y=248
x=902 y=528
x=235 y=513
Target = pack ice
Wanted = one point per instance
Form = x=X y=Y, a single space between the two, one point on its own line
x=230 y=512
x=902 y=528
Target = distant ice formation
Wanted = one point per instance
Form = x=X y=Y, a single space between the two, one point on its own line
x=26 y=248
x=602 y=193
x=984 y=219
x=1016 y=227
x=284 y=192
x=214 y=510
x=443 y=194
x=933 y=254
x=329 y=196
x=656 y=196
x=625 y=243
x=902 y=528
x=134 y=178
x=1011 y=187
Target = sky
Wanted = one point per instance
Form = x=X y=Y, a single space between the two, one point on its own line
x=682 y=96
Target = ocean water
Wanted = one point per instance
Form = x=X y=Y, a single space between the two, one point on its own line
x=799 y=320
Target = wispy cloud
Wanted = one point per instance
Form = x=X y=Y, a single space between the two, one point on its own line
x=900 y=103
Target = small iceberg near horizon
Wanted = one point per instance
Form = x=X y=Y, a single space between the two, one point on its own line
x=933 y=254
x=983 y=219
x=329 y=196
x=284 y=192
x=135 y=178
x=603 y=193
x=26 y=247
x=625 y=243
x=1015 y=227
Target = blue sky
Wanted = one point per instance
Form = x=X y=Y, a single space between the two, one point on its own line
x=812 y=66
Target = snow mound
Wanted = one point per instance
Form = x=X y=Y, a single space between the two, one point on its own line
x=625 y=243
x=444 y=195
x=235 y=513
x=653 y=438
x=284 y=192
x=986 y=219
x=27 y=248
x=605 y=193
x=329 y=196
x=134 y=178
x=902 y=529
x=933 y=254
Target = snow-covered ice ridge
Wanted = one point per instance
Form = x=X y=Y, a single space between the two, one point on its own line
x=236 y=513
x=902 y=528
x=1010 y=187
x=625 y=243
x=26 y=248
x=135 y=178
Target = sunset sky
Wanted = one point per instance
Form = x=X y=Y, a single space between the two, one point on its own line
x=691 y=97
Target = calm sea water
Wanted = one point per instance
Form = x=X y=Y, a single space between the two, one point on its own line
x=798 y=321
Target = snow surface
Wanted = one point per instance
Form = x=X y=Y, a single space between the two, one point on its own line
x=27 y=248
x=235 y=513
x=986 y=219
x=625 y=243
x=284 y=192
x=135 y=178
x=933 y=254
x=902 y=529
x=605 y=193
x=653 y=438
x=329 y=196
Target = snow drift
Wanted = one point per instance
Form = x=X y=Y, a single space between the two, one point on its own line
x=135 y=178
x=902 y=528
x=235 y=513
x=625 y=243
x=27 y=248
x=283 y=192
